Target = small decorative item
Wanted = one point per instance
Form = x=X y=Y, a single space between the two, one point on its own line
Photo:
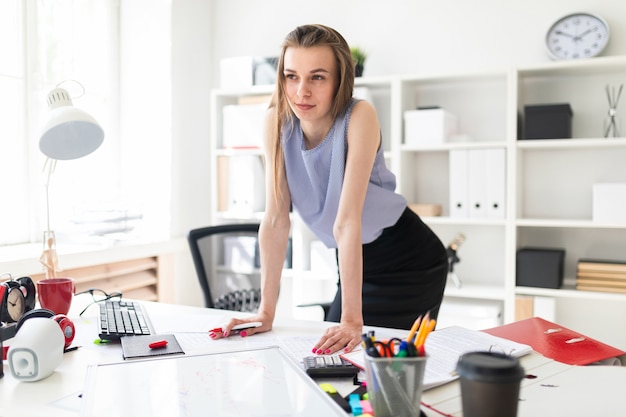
x=358 y=56
x=453 y=259
x=611 y=123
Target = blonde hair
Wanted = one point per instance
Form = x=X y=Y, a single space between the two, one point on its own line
x=307 y=36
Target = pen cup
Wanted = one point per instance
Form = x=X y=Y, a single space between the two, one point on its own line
x=490 y=384
x=394 y=385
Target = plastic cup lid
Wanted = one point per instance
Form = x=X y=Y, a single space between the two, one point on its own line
x=490 y=367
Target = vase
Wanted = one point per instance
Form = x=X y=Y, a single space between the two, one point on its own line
x=358 y=70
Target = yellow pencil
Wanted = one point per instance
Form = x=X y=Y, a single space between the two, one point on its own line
x=423 y=335
x=416 y=324
x=422 y=327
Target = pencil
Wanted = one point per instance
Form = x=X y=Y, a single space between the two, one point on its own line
x=423 y=335
x=422 y=327
x=416 y=324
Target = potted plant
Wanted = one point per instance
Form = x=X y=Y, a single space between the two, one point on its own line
x=358 y=56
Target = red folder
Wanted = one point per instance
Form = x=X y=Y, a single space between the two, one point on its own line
x=556 y=342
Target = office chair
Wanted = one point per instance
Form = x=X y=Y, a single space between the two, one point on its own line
x=226 y=259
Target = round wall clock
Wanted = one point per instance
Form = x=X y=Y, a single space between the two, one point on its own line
x=577 y=36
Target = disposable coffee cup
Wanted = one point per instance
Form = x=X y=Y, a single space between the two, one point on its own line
x=490 y=384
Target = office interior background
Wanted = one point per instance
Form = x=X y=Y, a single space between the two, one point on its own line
x=155 y=163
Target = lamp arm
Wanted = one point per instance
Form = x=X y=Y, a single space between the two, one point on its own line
x=48 y=167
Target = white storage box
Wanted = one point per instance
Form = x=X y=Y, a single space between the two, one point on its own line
x=243 y=125
x=428 y=127
x=246 y=71
x=609 y=202
x=471 y=314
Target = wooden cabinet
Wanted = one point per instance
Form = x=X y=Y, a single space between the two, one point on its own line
x=140 y=279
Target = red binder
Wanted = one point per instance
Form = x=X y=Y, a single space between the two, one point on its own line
x=556 y=342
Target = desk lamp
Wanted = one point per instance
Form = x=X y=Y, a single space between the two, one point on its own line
x=69 y=134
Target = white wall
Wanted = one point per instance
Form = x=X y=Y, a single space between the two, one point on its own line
x=401 y=36
x=411 y=35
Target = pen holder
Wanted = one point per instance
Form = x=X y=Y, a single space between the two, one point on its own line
x=394 y=385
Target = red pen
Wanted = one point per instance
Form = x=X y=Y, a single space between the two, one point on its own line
x=158 y=344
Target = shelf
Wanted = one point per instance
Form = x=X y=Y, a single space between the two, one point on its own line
x=475 y=291
x=591 y=143
x=570 y=294
x=239 y=151
x=574 y=224
x=452 y=221
x=455 y=146
x=578 y=67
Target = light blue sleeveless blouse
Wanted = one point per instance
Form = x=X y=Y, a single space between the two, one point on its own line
x=315 y=178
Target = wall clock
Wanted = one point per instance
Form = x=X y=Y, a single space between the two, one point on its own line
x=577 y=36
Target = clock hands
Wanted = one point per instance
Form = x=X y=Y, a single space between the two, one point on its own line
x=575 y=38
x=559 y=32
x=579 y=37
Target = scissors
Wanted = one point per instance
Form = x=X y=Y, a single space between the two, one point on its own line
x=387 y=349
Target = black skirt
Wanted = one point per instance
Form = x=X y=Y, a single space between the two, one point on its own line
x=404 y=275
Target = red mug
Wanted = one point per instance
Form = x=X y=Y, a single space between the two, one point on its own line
x=56 y=294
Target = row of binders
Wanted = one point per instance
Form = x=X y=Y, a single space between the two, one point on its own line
x=601 y=275
x=477 y=183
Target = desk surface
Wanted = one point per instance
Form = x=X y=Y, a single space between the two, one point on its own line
x=558 y=389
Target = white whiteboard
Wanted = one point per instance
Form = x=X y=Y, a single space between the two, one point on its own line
x=247 y=383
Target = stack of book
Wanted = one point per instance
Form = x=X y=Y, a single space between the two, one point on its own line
x=601 y=275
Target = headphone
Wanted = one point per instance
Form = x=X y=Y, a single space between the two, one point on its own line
x=67 y=326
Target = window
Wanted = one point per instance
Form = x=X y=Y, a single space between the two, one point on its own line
x=121 y=191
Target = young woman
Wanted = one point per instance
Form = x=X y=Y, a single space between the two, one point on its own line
x=324 y=157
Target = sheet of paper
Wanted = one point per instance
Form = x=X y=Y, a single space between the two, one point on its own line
x=445 y=346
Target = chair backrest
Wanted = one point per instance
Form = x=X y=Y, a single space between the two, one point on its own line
x=226 y=259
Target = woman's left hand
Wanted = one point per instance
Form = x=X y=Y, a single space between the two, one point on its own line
x=344 y=337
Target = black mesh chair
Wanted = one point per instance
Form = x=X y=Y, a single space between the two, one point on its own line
x=226 y=259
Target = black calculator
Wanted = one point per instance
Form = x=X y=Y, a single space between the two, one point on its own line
x=325 y=366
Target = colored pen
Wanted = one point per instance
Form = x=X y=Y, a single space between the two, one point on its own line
x=370 y=349
x=71 y=349
x=403 y=350
x=158 y=344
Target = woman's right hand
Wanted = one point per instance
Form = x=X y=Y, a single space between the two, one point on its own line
x=266 y=325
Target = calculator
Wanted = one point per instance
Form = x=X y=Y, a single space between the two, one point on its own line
x=329 y=366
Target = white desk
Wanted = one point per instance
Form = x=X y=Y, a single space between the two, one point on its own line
x=571 y=391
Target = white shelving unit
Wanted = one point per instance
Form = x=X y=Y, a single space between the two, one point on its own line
x=548 y=183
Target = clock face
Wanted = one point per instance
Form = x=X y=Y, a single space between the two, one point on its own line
x=577 y=36
x=15 y=304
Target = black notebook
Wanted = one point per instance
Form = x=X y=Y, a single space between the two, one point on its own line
x=139 y=346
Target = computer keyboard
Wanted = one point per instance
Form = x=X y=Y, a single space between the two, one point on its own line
x=120 y=318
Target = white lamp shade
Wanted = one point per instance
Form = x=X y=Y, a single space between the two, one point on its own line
x=70 y=133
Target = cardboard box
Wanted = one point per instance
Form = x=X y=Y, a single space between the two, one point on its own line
x=246 y=71
x=609 y=202
x=428 y=127
x=540 y=267
x=426 y=210
x=549 y=121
